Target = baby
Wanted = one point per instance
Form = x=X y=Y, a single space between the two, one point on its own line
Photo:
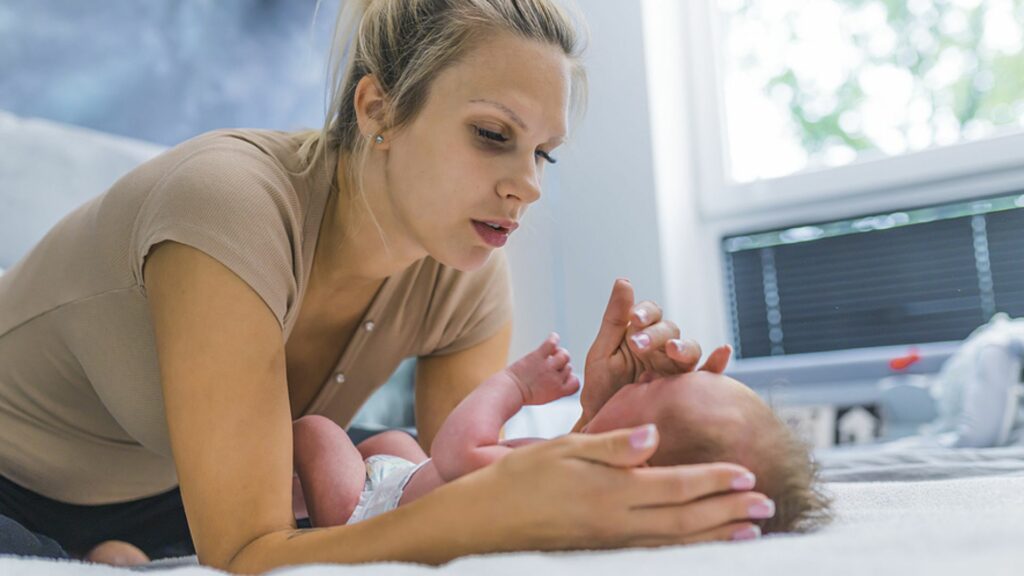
x=700 y=416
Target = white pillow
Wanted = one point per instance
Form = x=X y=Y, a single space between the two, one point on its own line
x=48 y=169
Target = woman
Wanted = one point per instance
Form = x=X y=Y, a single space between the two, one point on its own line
x=168 y=332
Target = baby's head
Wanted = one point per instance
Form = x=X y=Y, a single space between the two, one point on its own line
x=706 y=417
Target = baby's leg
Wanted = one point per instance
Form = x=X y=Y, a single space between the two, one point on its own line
x=469 y=438
x=330 y=470
x=398 y=443
x=395 y=443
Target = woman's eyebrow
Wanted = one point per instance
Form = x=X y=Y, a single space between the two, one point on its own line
x=515 y=117
x=512 y=114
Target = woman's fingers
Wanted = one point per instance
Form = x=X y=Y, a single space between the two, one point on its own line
x=652 y=338
x=718 y=359
x=645 y=314
x=587 y=492
x=619 y=448
x=615 y=320
x=733 y=531
x=667 y=485
x=700 y=519
x=685 y=353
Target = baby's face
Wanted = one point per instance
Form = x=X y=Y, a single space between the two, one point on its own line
x=715 y=405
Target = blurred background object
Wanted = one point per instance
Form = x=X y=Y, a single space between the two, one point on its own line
x=166 y=70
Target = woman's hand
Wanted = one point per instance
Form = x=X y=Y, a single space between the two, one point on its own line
x=585 y=491
x=634 y=344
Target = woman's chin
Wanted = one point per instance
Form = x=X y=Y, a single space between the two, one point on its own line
x=467 y=261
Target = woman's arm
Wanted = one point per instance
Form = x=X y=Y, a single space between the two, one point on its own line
x=442 y=382
x=222 y=368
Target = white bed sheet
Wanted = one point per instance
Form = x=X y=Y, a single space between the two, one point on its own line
x=957 y=525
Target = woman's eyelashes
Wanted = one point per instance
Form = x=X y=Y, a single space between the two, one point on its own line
x=498 y=137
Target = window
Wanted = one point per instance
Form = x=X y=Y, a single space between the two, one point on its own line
x=812 y=99
x=813 y=84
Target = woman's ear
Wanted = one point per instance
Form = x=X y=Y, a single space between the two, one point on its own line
x=370 y=103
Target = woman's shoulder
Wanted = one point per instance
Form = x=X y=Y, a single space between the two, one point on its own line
x=232 y=194
x=272 y=148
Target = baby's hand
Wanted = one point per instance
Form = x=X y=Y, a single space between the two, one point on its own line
x=545 y=374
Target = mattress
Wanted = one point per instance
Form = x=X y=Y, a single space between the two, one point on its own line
x=898 y=511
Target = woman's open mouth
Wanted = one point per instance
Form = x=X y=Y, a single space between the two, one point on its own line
x=492 y=233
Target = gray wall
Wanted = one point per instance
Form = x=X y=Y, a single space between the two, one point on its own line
x=597 y=220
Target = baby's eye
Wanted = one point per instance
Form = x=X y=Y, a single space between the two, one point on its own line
x=491 y=135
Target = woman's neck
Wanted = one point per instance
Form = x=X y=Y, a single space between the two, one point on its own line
x=351 y=252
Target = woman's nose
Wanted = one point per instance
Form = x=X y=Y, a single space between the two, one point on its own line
x=524 y=185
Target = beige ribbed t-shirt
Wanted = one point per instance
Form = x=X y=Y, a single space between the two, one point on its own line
x=81 y=407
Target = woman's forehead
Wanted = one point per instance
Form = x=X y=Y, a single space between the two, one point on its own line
x=524 y=80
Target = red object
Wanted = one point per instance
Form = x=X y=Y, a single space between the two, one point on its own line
x=901 y=363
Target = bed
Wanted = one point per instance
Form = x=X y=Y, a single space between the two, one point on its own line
x=898 y=511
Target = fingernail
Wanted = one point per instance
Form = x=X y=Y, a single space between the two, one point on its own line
x=643 y=437
x=748 y=533
x=744 y=481
x=761 y=510
x=677 y=343
x=641 y=340
x=641 y=315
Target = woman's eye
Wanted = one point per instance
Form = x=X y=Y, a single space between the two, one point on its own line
x=547 y=156
x=498 y=137
x=491 y=135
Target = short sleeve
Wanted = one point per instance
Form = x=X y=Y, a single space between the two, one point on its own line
x=233 y=203
x=475 y=305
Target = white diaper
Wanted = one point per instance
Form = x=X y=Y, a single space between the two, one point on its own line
x=386 y=478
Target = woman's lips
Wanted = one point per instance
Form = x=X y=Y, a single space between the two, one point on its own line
x=493 y=237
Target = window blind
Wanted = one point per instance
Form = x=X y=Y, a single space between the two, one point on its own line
x=931 y=274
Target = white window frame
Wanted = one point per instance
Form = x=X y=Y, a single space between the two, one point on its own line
x=698 y=205
x=897 y=178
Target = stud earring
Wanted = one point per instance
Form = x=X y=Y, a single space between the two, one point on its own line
x=379 y=139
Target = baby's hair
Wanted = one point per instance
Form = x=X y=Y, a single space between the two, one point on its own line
x=782 y=463
x=792 y=478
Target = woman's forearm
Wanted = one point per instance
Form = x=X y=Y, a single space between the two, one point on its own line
x=432 y=530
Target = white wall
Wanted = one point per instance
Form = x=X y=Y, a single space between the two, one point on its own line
x=597 y=219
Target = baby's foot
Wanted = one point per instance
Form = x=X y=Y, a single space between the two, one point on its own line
x=544 y=374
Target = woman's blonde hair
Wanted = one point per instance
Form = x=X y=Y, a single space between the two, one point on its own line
x=406 y=44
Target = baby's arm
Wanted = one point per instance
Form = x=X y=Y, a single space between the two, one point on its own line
x=469 y=438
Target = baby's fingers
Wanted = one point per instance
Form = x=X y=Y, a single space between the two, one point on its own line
x=558 y=359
